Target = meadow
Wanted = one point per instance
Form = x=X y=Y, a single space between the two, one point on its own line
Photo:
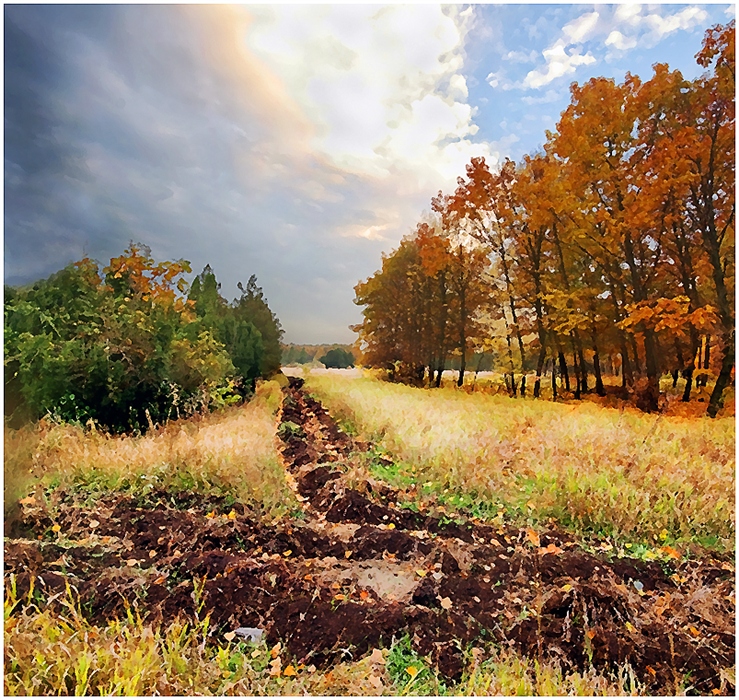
x=642 y=479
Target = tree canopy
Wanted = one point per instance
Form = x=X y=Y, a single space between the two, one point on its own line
x=612 y=246
x=128 y=346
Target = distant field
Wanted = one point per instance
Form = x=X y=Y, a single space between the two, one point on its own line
x=623 y=473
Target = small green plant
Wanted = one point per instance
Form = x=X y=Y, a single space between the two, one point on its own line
x=410 y=672
x=288 y=429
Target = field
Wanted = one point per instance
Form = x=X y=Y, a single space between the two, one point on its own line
x=431 y=542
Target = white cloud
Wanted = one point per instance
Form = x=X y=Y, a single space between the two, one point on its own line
x=579 y=29
x=549 y=96
x=646 y=30
x=559 y=63
x=380 y=103
x=660 y=27
x=628 y=12
x=624 y=28
x=520 y=56
x=619 y=41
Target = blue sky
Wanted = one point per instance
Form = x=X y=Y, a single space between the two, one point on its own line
x=295 y=142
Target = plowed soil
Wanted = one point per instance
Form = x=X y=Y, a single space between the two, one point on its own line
x=358 y=571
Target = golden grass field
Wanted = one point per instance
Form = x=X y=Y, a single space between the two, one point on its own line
x=233 y=451
x=623 y=473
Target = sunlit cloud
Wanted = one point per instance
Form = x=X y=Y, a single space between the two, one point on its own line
x=380 y=104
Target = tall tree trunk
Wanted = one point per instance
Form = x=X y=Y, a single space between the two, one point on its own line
x=563 y=370
x=512 y=390
x=539 y=370
x=712 y=241
x=554 y=380
x=576 y=367
x=599 y=389
x=512 y=304
x=650 y=351
x=716 y=401
x=462 y=336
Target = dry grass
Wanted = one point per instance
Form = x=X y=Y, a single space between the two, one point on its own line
x=52 y=654
x=620 y=473
x=233 y=451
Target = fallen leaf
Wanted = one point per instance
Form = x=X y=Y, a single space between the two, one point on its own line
x=275 y=650
x=161 y=579
x=287 y=553
x=376 y=681
x=256 y=653
x=566 y=588
x=591 y=634
x=56 y=528
x=671 y=552
x=446 y=603
x=533 y=537
x=347 y=554
x=152 y=553
x=212 y=514
x=232 y=515
x=290 y=671
x=29 y=500
x=694 y=631
x=275 y=667
x=230 y=636
x=412 y=671
x=630 y=627
x=363 y=595
x=391 y=526
x=550 y=549
x=339 y=596
x=376 y=657
x=131 y=562
x=94 y=524
x=421 y=572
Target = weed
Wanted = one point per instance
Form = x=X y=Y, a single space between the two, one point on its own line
x=410 y=673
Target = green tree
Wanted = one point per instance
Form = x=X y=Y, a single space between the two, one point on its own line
x=338 y=358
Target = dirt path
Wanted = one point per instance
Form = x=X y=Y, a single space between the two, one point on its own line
x=358 y=571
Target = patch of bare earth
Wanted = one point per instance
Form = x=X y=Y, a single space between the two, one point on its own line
x=358 y=571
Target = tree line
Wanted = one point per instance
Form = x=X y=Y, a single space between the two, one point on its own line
x=610 y=249
x=338 y=356
x=132 y=344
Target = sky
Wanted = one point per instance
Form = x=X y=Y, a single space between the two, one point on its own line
x=294 y=142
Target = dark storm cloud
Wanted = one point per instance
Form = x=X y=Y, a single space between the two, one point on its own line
x=145 y=123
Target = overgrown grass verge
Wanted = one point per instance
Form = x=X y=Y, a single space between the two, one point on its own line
x=231 y=453
x=51 y=654
x=654 y=480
